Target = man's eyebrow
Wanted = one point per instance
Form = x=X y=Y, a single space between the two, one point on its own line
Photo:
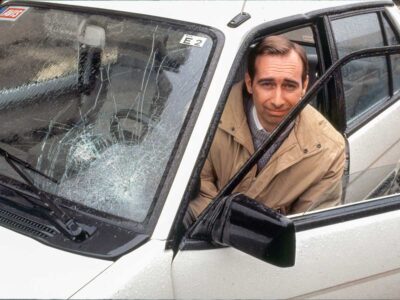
x=291 y=81
x=265 y=80
x=286 y=80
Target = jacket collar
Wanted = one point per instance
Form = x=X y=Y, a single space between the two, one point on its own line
x=234 y=119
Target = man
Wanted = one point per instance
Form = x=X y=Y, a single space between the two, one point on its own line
x=305 y=171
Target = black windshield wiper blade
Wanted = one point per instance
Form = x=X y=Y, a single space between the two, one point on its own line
x=9 y=157
x=60 y=218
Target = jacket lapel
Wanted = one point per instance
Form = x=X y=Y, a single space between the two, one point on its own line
x=234 y=120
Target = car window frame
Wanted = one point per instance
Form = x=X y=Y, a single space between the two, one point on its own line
x=193 y=111
x=305 y=221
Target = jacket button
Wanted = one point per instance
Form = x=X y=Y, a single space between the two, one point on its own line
x=319 y=146
x=305 y=151
x=233 y=128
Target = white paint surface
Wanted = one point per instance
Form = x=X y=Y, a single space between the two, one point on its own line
x=326 y=258
x=142 y=274
x=29 y=269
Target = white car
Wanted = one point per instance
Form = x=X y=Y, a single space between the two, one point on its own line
x=107 y=112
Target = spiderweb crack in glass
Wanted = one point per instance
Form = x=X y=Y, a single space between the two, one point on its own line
x=111 y=178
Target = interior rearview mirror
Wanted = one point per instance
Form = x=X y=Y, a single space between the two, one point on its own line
x=91 y=40
x=246 y=225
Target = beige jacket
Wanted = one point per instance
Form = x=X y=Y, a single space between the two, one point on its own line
x=303 y=174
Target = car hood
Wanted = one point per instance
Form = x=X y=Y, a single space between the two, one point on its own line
x=30 y=269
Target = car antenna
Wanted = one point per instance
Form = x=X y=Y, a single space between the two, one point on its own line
x=240 y=18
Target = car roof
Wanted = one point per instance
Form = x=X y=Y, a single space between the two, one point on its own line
x=218 y=13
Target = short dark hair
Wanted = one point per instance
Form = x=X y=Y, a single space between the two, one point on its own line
x=276 y=45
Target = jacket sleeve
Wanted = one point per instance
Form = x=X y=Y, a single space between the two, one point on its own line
x=208 y=189
x=327 y=192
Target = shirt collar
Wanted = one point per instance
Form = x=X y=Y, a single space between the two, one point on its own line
x=255 y=118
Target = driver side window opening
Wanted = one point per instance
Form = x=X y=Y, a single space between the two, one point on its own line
x=214 y=165
x=305 y=36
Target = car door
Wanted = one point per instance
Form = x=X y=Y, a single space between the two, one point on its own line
x=349 y=251
x=357 y=258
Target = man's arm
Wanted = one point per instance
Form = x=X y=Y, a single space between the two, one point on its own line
x=325 y=193
x=208 y=189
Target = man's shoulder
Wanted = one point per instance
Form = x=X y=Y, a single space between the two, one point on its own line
x=233 y=116
x=234 y=104
x=317 y=126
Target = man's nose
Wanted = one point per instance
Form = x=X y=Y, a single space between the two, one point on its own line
x=277 y=100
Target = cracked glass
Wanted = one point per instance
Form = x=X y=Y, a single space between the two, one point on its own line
x=97 y=102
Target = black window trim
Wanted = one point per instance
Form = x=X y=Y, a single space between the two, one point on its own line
x=385 y=16
x=347 y=212
x=334 y=87
x=388 y=60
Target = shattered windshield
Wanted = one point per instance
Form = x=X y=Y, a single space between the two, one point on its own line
x=96 y=102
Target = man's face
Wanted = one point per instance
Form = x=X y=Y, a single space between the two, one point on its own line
x=276 y=87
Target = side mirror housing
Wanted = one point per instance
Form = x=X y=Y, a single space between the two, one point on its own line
x=246 y=225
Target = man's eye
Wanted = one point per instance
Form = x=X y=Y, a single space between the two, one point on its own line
x=290 y=87
x=268 y=84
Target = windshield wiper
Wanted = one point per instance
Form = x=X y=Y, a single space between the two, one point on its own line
x=9 y=157
x=60 y=218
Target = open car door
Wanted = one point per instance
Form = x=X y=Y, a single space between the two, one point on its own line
x=350 y=251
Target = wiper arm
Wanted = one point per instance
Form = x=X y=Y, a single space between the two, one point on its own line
x=9 y=157
x=60 y=218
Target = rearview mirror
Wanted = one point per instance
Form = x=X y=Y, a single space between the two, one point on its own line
x=246 y=225
x=91 y=44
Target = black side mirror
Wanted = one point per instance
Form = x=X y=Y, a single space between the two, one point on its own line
x=246 y=225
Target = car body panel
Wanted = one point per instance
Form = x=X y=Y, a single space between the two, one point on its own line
x=328 y=259
x=368 y=167
x=30 y=269
x=217 y=14
x=141 y=274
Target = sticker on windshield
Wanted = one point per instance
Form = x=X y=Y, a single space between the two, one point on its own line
x=193 y=40
x=11 y=13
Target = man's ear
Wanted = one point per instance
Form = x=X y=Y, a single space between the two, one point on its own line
x=305 y=85
x=247 y=81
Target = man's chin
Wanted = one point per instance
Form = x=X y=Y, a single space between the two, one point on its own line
x=272 y=124
x=274 y=119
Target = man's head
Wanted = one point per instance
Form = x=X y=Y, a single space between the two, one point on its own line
x=276 y=78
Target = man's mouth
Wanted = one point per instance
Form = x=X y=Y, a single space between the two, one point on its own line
x=277 y=113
